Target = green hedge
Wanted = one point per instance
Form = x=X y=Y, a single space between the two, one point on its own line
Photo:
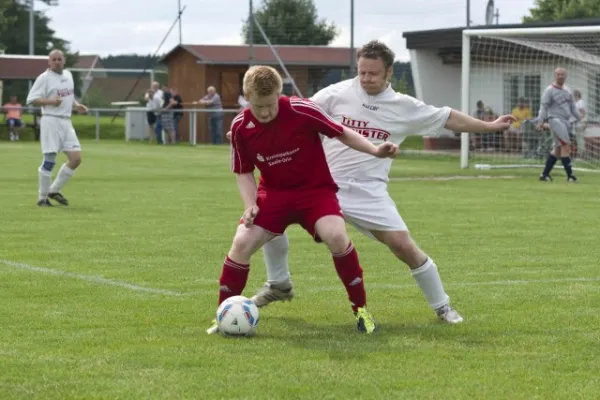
x=85 y=126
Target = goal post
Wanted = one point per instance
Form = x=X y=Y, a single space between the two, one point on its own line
x=505 y=71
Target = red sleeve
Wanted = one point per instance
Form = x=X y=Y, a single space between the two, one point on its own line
x=240 y=162
x=316 y=117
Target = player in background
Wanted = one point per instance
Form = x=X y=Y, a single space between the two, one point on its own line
x=558 y=107
x=54 y=92
x=369 y=105
x=281 y=137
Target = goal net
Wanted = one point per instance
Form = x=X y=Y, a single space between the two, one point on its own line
x=505 y=71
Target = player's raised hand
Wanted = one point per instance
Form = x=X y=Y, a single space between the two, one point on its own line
x=387 y=150
x=502 y=123
x=249 y=215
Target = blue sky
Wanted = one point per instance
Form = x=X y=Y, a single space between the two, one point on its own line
x=138 y=26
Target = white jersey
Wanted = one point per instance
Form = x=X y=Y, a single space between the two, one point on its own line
x=387 y=117
x=50 y=85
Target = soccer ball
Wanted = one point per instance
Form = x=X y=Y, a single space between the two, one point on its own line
x=237 y=316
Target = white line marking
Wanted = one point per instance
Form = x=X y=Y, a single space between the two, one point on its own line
x=453 y=178
x=89 y=278
x=464 y=284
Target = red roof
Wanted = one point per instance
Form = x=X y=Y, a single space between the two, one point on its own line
x=22 y=66
x=290 y=55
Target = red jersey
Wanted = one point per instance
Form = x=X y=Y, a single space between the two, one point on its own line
x=288 y=150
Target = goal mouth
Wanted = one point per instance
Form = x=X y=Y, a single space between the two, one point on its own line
x=506 y=71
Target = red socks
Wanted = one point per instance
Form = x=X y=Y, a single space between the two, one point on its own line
x=351 y=274
x=233 y=279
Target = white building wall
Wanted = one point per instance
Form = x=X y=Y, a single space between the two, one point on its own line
x=435 y=83
x=440 y=85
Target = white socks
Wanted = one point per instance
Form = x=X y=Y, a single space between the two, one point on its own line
x=45 y=178
x=276 y=259
x=62 y=177
x=429 y=281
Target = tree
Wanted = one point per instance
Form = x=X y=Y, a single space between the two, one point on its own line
x=5 y=20
x=290 y=22
x=560 y=10
x=14 y=36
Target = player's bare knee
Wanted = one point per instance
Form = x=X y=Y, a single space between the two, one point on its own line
x=74 y=161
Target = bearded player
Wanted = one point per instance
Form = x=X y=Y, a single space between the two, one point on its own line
x=369 y=105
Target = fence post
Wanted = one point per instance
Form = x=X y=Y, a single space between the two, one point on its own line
x=97 y=126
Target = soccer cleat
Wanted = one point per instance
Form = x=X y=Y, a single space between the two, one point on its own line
x=449 y=315
x=270 y=293
x=545 y=178
x=214 y=328
x=44 y=203
x=364 y=321
x=572 y=178
x=59 y=198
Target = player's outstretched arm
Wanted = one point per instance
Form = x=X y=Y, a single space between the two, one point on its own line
x=356 y=141
x=461 y=122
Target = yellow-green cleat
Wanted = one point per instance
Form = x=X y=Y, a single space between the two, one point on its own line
x=214 y=328
x=364 y=321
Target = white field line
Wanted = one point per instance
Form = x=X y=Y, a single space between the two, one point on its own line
x=90 y=278
x=391 y=286
x=314 y=289
x=453 y=178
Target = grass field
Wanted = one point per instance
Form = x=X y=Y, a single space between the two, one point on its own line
x=109 y=298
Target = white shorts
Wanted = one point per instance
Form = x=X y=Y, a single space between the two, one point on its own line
x=57 y=135
x=369 y=207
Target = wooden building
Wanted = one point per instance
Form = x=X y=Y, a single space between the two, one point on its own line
x=193 y=68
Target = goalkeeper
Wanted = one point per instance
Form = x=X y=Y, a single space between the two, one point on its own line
x=557 y=108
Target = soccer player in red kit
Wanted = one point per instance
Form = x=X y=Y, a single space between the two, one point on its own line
x=279 y=135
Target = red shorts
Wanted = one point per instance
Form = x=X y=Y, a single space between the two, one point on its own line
x=278 y=210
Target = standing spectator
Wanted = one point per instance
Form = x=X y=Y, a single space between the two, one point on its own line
x=581 y=125
x=150 y=116
x=157 y=101
x=212 y=101
x=177 y=115
x=242 y=102
x=12 y=111
x=166 y=116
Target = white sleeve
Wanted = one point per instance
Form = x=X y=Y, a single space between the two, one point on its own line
x=38 y=90
x=324 y=97
x=423 y=119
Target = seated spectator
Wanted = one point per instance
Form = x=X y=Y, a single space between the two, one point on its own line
x=12 y=113
x=521 y=112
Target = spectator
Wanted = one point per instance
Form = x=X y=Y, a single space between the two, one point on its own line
x=242 y=102
x=212 y=101
x=490 y=141
x=479 y=113
x=177 y=115
x=150 y=115
x=166 y=116
x=157 y=101
x=521 y=112
x=12 y=113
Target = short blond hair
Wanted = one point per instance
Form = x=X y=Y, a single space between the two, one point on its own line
x=262 y=80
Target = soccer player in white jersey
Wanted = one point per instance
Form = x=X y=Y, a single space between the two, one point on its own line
x=370 y=106
x=54 y=92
